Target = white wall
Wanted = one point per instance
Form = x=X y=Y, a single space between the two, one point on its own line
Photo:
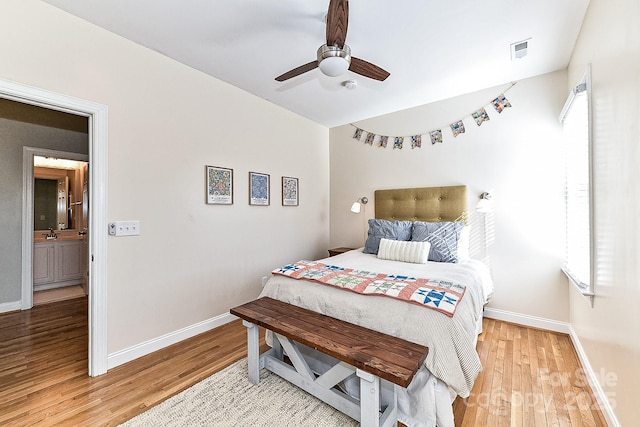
x=610 y=41
x=516 y=153
x=167 y=121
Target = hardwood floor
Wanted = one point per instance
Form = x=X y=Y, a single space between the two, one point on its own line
x=43 y=369
x=530 y=377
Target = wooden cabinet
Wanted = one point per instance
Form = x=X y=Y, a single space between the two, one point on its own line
x=43 y=263
x=69 y=256
x=58 y=263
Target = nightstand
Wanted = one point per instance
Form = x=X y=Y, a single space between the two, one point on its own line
x=337 y=251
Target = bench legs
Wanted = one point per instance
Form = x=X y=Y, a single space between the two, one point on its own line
x=369 y=398
x=374 y=393
x=253 y=352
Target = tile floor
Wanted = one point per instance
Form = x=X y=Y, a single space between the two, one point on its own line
x=58 y=294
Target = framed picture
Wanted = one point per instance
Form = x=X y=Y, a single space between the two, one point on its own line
x=258 y=189
x=289 y=191
x=219 y=185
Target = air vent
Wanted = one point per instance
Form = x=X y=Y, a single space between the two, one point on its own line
x=520 y=49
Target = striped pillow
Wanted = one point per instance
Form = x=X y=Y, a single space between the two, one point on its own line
x=405 y=251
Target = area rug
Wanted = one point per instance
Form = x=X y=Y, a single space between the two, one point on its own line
x=228 y=399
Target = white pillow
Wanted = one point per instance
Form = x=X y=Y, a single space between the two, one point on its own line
x=464 y=241
x=405 y=251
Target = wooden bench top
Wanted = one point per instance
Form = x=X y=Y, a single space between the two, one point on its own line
x=393 y=359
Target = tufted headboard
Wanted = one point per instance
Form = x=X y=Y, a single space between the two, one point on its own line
x=431 y=204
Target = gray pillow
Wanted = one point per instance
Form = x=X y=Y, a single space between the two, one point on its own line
x=443 y=236
x=381 y=228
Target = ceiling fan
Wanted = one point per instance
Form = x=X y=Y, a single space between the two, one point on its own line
x=334 y=58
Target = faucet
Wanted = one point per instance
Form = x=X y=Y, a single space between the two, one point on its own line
x=51 y=234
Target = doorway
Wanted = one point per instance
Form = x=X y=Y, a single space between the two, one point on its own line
x=60 y=225
x=97 y=263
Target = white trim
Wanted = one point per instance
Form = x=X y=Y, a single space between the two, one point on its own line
x=592 y=193
x=98 y=231
x=58 y=285
x=27 y=214
x=582 y=287
x=587 y=290
x=155 y=344
x=527 y=320
x=598 y=392
x=565 y=328
x=27 y=230
x=6 y=307
x=98 y=139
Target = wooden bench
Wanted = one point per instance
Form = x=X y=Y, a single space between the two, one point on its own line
x=379 y=360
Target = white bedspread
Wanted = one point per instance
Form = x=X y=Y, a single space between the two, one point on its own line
x=452 y=358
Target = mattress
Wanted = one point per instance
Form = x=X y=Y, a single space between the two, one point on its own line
x=452 y=363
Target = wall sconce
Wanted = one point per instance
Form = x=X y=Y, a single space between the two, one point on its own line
x=484 y=204
x=355 y=207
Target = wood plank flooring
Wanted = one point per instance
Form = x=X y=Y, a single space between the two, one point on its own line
x=530 y=377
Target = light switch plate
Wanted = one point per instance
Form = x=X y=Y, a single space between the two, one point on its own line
x=124 y=228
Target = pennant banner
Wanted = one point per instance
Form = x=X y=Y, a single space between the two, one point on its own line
x=500 y=103
x=457 y=128
x=416 y=141
x=479 y=116
x=436 y=136
x=369 y=138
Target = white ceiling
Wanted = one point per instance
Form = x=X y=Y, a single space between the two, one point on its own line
x=433 y=49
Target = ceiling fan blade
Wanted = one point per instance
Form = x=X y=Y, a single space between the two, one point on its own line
x=367 y=69
x=297 y=71
x=337 y=22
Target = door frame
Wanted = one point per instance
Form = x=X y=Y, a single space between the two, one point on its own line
x=28 y=216
x=97 y=115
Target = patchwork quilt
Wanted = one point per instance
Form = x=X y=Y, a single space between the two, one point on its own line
x=436 y=294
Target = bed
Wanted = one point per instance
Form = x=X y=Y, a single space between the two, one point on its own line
x=452 y=363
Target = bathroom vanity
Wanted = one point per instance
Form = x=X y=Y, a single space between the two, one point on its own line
x=60 y=248
x=60 y=261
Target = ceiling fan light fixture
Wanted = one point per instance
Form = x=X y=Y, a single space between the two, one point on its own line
x=334 y=57
x=334 y=61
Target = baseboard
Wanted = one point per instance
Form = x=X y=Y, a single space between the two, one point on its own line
x=527 y=320
x=598 y=392
x=6 y=307
x=565 y=328
x=147 y=347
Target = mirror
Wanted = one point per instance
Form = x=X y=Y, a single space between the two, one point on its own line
x=58 y=196
x=50 y=204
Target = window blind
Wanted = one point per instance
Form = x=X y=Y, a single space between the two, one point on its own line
x=575 y=121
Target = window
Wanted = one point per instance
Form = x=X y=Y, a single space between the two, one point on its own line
x=576 y=123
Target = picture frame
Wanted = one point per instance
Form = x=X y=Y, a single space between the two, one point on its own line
x=290 y=191
x=259 y=189
x=219 y=185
